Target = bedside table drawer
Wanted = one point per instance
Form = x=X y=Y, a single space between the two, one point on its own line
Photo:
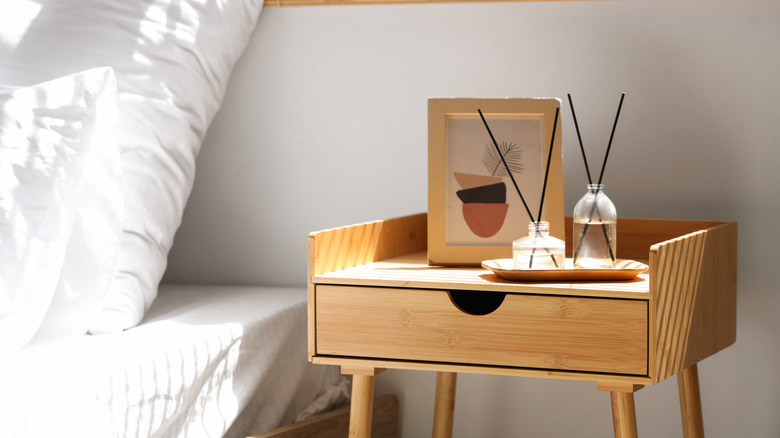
x=528 y=331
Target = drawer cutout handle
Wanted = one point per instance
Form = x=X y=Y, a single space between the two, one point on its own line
x=477 y=303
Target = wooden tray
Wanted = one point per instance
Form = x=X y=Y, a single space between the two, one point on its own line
x=623 y=270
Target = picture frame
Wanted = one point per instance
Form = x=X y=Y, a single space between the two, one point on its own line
x=474 y=210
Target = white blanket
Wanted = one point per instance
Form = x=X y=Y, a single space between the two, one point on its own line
x=208 y=361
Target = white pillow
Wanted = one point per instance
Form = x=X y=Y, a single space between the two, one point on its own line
x=172 y=62
x=93 y=249
x=48 y=133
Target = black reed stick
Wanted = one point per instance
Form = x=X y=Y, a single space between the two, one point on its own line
x=544 y=185
x=609 y=146
x=579 y=137
x=495 y=143
x=549 y=158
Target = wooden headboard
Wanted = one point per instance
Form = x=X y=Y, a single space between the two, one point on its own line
x=280 y=3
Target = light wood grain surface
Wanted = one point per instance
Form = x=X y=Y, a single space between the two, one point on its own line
x=550 y=332
x=689 y=292
x=282 y=3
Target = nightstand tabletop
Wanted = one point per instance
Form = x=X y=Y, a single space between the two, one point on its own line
x=413 y=271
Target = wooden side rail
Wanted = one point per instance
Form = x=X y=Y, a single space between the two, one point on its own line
x=636 y=236
x=345 y=247
x=354 y=245
x=693 y=287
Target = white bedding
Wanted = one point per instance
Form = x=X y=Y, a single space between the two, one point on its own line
x=105 y=254
x=207 y=361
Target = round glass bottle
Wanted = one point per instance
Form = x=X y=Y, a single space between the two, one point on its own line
x=538 y=250
x=595 y=230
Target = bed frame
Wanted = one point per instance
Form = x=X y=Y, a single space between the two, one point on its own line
x=335 y=424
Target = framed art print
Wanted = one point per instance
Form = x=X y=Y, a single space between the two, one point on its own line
x=474 y=209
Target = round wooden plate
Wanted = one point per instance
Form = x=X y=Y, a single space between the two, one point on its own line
x=623 y=270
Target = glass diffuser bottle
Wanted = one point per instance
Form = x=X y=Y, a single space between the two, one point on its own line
x=538 y=250
x=595 y=230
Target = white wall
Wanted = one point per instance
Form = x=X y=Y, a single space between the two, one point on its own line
x=325 y=125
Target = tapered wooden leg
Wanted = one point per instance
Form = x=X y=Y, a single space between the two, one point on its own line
x=361 y=407
x=623 y=414
x=362 y=404
x=690 y=402
x=445 y=404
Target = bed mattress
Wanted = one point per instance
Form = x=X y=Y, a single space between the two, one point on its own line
x=208 y=361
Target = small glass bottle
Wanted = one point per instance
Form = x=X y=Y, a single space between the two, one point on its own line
x=595 y=230
x=538 y=250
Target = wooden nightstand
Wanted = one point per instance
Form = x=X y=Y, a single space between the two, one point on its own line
x=374 y=304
